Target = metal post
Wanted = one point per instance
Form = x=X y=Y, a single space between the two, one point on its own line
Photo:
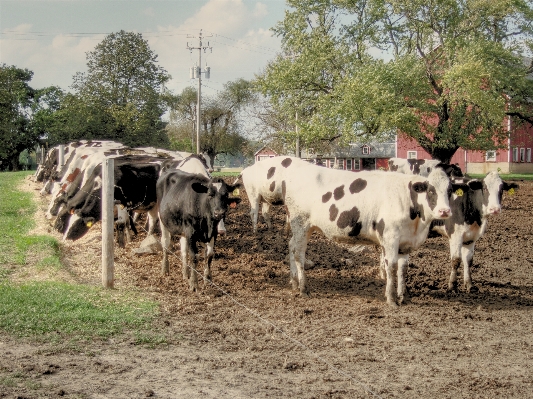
x=108 y=183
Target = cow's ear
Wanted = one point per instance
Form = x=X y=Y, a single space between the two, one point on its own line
x=234 y=187
x=475 y=184
x=509 y=186
x=200 y=188
x=420 y=187
x=460 y=188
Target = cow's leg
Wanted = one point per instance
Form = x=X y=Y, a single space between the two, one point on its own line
x=128 y=228
x=210 y=252
x=121 y=225
x=297 y=248
x=467 y=252
x=382 y=271
x=254 y=210
x=152 y=220
x=287 y=227
x=403 y=262
x=455 y=256
x=265 y=211
x=184 y=250
x=390 y=251
x=193 y=257
x=165 y=242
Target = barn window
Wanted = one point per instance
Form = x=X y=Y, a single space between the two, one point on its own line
x=366 y=150
x=356 y=164
x=528 y=154
x=349 y=163
x=515 y=154
x=341 y=163
x=411 y=155
x=522 y=154
x=490 y=156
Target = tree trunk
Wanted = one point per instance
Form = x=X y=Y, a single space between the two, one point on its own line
x=442 y=154
x=15 y=164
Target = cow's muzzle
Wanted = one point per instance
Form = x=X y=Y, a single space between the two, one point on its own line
x=444 y=213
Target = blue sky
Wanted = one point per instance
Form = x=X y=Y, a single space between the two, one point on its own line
x=51 y=37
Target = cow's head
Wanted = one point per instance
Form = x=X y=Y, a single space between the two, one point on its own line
x=218 y=196
x=432 y=196
x=78 y=226
x=206 y=160
x=493 y=188
x=86 y=213
x=415 y=164
x=451 y=170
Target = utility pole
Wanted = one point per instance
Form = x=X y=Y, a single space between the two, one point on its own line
x=196 y=73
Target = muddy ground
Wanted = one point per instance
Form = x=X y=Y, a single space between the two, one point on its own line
x=251 y=336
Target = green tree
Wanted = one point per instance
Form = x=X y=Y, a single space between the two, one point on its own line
x=222 y=128
x=456 y=70
x=119 y=97
x=16 y=99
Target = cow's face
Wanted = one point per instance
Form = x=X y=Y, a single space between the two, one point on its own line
x=493 y=188
x=84 y=217
x=78 y=226
x=436 y=192
x=218 y=196
x=415 y=164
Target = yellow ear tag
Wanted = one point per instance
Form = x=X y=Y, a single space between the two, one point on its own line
x=511 y=191
x=459 y=192
x=89 y=224
x=236 y=192
x=121 y=206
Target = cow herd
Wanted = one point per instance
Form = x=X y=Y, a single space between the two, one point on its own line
x=394 y=210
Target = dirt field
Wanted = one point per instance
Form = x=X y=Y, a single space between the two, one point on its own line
x=252 y=337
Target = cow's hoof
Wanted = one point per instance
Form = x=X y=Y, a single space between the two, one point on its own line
x=392 y=303
x=305 y=294
x=452 y=286
x=294 y=283
x=472 y=289
x=222 y=232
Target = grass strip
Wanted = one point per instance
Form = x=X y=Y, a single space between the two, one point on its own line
x=51 y=310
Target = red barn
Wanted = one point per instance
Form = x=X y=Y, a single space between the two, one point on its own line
x=263 y=153
x=515 y=159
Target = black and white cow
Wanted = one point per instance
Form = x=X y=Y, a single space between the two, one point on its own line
x=391 y=210
x=135 y=182
x=190 y=206
x=471 y=208
x=79 y=170
x=194 y=163
x=262 y=191
x=422 y=167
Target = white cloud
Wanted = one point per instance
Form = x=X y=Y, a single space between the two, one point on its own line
x=239 y=49
x=238 y=33
x=53 y=59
